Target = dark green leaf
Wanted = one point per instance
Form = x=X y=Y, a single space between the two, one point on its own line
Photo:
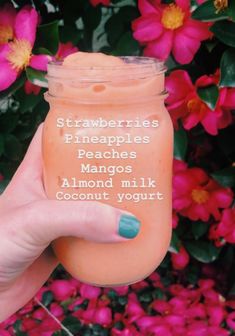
x=8 y=121
x=47 y=298
x=180 y=144
x=127 y=46
x=225 y=32
x=92 y=17
x=1 y=144
x=36 y=77
x=43 y=51
x=231 y=9
x=199 y=229
x=70 y=33
x=203 y=251
x=175 y=243
x=72 y=324
x=227 y=66
x=27 y=101
x=114 y=28
x=13 y=88
x=3 y=185
x=48 y=37
x=209 y=95
x=225 y=177
x=13 y=148
x=207 y=12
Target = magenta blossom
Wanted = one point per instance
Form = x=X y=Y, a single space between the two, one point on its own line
x=196 y=195
x=17 y=37
x=185 y=104
x=166 y=28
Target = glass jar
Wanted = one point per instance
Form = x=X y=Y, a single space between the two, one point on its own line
x=108 y=137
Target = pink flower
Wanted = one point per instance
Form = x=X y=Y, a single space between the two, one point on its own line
x=64 y=50
x=166 y=28
x=103 y=316
x=18 y=33
x=62 y=289
x=231 y=320
x=4 y=332
x=185 y=104
x=98 y=2
x=197 y=196
x=180 y=260
x=226 y=227
x=89 y=292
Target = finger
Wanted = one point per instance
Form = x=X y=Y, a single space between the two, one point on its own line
x=47 y=220
x=37 y=273
x=31 y=166
x=27 y=180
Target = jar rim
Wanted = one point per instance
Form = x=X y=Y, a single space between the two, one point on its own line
x=138 y=67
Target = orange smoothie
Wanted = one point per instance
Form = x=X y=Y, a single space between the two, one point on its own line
x=109 y=138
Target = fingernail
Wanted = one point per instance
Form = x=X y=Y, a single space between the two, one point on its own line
x=129 y=226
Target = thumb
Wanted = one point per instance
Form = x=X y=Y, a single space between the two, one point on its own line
x=47 y=220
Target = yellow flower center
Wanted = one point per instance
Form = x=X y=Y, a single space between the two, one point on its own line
x=196 y=106
x=19 y=55
x=6 y=34
x=200 y=196
x=220 y=5
x=172 y=17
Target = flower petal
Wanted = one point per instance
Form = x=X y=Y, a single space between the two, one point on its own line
x=4 y=50
x=190 y=121
x=147 y=7
x=196 y=29
x=8 y=75
x=184 y=48
x=178 y=85
x=210 y=122
x=184 y=4
x=39 y=62
x=147 y=28
x=161 y=47
x=26 y=24
x=8 y=15
x=229 y=101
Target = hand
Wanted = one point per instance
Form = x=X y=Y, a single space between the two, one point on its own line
x=29 y=222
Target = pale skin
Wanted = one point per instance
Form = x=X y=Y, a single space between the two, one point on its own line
x=28 y=224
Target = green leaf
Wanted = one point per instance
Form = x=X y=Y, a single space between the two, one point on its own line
x=127 y=45
x=227 y=66
x=204 y=252
x=13 y=148
x=8 y=121
x=225 y=32
x=225 y=177
x=1 y=144
x=92 y=17
x=207 y=12
x=175 y=243
x=199 y=229
x=48 y=37
x=36 y=77
x=231 y=9
x=3 y=185
x=180 y=144
x=209 y=95
x=47 y=298
x=27 y=101
x=72 y=324
x=13 y=88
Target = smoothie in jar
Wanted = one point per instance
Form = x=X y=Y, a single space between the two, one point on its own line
x=109 y=138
